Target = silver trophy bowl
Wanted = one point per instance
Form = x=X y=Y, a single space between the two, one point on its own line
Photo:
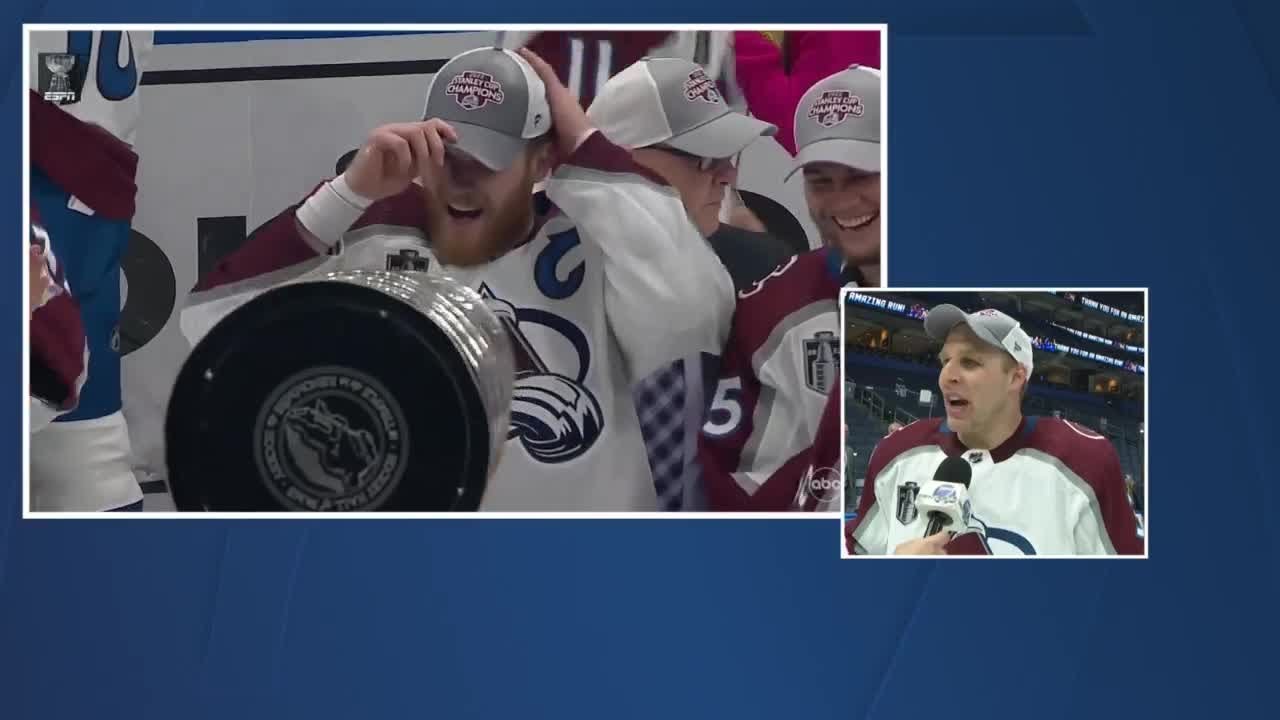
x=347 y=391
x=476 y=332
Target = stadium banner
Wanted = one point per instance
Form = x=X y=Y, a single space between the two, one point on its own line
x=1041 y=343
x=1101 y=340
x=1102 y=307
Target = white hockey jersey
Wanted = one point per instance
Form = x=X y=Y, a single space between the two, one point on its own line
x=614 y=284
x=1053 y=488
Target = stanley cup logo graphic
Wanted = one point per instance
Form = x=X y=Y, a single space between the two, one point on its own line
x=59 y=90
x=822 y=361
x=825 y=367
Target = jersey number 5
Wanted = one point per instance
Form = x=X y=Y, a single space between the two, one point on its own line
x=726 y=408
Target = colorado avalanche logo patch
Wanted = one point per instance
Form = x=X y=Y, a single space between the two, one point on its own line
x=698 y=86
x=473 y=90
x=834 y=107
x=554 y=416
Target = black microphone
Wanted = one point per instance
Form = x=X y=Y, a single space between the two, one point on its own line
x=946 y=496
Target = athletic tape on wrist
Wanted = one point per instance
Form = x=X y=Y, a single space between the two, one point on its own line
x=331 y=211
x=344 y=191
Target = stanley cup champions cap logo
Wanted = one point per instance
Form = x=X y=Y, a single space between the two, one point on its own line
x=473 y=89
x=833 y=107
x=699 y=86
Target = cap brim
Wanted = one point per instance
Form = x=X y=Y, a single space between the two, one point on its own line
x=723 y=137
x=495 y=150
x=857 y=154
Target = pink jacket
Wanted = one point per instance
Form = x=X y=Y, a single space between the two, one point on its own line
x=772 y=92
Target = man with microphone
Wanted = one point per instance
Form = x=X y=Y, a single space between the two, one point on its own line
x=1035 y=486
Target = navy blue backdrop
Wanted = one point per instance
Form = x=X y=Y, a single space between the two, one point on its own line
x=1032 y=142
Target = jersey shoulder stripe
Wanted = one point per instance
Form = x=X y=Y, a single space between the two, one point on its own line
x=1084 y=452
x=797 y=283
x=921 y=433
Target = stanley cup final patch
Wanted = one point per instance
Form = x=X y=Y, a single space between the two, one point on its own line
x=473 y=90
x=834 y=107
x=906 y=510
x=821 y=361
x=61 y=76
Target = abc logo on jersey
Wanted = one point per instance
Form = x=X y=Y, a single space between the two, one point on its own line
x=819 y=490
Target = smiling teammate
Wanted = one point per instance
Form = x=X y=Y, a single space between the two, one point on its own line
x=783 y=357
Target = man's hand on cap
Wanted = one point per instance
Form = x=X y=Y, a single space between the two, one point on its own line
x=396 y=154
x=568 y=119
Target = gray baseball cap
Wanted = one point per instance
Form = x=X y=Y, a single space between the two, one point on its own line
x=838 y=120
x=991 y=326
x=494 y=100
x=672 y=102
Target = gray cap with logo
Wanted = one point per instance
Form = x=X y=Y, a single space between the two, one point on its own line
x=674 y=103
x=494 y=100
x=838 y=120
x=991 y=326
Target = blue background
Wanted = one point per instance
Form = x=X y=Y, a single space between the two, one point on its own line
x=1033 y=142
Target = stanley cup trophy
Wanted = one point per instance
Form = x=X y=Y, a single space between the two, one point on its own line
x=352 y=391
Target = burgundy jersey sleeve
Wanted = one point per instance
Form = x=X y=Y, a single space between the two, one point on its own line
x=278 y=244
x=1092 y=458
x=85 y=160
x=1113 y=501
x=968 y=543
x=59 y=353
x=281 y=243
x=584 y=61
